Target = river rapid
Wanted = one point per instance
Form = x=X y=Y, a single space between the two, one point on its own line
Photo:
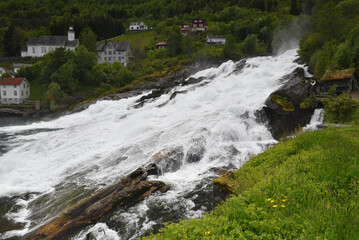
x=46 y=167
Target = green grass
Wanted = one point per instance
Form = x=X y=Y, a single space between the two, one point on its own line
x=139 y=41
x=313 y=180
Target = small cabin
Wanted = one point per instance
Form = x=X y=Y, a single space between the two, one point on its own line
x=215 y=40
x=197 y=25
x=161 y=45
x=345 y=80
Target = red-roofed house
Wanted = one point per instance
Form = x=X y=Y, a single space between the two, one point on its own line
x=14 y=90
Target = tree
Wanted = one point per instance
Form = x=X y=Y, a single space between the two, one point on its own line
x=14 y=38
x=64 y=77
x=5 y=75
x=294 y=8
x=188 y=44
x=230 y=48
x=84 y=61
x=174 y=42
x=54 y=96
x=88 y=39
x=250 y=44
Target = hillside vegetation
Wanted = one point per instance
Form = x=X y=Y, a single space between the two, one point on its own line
x=305 y=188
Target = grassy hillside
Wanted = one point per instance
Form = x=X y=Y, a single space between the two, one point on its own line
x=306 y=188
x=140 y=41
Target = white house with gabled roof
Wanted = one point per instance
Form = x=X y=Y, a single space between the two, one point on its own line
x=114 y=51
x=14 y=90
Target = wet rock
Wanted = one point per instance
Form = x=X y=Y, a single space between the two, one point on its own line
x=169 y=160
x=196 y=151
x=192 y=80
x=129 y=191
x=283 y=106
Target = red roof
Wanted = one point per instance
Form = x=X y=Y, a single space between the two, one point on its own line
x=12 y=81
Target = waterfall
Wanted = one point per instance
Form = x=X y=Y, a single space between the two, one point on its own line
x=316 y=120
x=207 y=126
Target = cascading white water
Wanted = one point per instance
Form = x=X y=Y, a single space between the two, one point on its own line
x=88 y=150
x=316 y=120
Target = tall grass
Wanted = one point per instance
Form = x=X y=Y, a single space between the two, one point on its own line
x=305 y=188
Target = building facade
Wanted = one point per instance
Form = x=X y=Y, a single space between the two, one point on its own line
x=215 y=40
x=197 y=25
x=114 y=51
x=138 y=26
x=14 y=90
x=40 y=46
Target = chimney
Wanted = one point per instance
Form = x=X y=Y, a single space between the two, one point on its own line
x=71 y=34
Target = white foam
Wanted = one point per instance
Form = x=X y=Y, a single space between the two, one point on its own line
x=93 y=141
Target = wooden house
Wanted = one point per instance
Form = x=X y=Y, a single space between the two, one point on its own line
x=345 y=80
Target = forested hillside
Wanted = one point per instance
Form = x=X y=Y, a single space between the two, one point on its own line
x=252 y=27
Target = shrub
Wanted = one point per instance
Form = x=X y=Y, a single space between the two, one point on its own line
x=286 y=104
x=338 y=109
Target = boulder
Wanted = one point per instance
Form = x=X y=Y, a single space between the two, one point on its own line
x=129 y=191
x=282 y=107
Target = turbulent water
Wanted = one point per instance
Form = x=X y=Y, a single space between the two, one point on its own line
x=54 y=164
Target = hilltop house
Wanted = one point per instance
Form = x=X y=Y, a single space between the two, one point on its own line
x=14 y=90
x=345 y=80
x=197 y=25
x=137 y=26
x=215 y=40
x=114 y=51
x=160 y=45
x=39 y=46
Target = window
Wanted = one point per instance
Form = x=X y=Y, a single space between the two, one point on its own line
x=26 y=93
x=4 y=93
x=109 y=58
x=4 y=86
x=109 y=52
x=33 y=49
x=123 y=57
x=114 y=52
x=15 y=93
x=105 y=58
x=24 y=85
x=15 y=100
x=22 y=93
x=15 y=86
x=105 y=53
x=43 y=49
x=119 y=58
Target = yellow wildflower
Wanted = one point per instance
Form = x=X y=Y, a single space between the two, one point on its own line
x=283 y=200
x=272 y=201
x=206 y=233
x=275 y=206
x=282 y=206
x=269 y=199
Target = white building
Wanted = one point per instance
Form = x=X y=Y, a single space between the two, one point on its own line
x=39 y=46
x=138 y=26
x=14 y=90
x=215 y=40
x=2 y=70
x=114 y=51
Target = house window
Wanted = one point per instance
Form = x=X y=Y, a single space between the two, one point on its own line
x=22 y=93
x=109 y=52
x=26 y=93
x=105 y=53
x=105 y=58
x=119 y=58
x=4 y=93
x=15 y=100
x=33 y=49
x=114 y=52
x=15 y=86
x=43 y=49
x=24 y=85
x=109 y=58
x=123 y=57
x=15 y=93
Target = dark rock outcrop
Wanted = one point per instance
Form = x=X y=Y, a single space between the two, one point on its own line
x=129 y=191
x=283 y=106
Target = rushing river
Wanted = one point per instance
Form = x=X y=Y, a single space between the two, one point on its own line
x=47 y=166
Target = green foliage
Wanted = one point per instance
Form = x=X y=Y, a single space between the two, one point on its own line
x=339 y=109
x=250 y=44
x=88 y=39
x=54 y=97
x=283 y=102
x=308 y=103
x=333 y=42
x=332 y=90
x=174 y=42
x=305 y=188
x=5 y=75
